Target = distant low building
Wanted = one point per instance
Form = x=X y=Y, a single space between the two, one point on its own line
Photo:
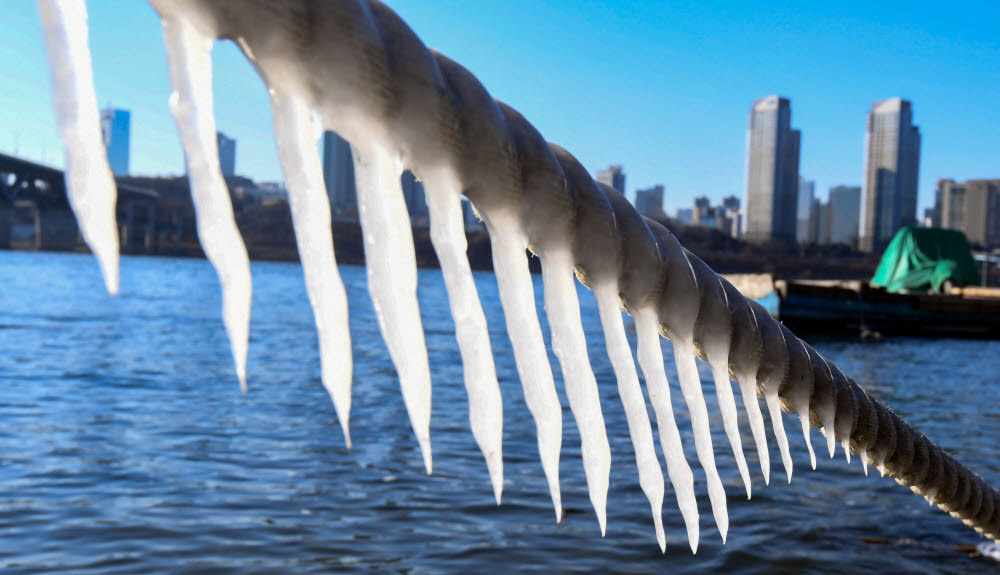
x=845 y=210
x=649 y=201
x=415 y=197
x=807 y=190
x=972 y=207
x=338 y=173
x=227 y=154
x=685 y=215
x=614 y=177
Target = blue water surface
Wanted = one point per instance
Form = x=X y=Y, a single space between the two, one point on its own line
x=126 y=446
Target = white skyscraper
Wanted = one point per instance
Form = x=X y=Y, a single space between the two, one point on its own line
x=772 y=172
x=892 y=164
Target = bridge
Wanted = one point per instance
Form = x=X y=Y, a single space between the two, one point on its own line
x=35 y=211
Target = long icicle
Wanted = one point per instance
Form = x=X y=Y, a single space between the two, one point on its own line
x=310 y=206
x=774 y=408
x=517 y=296
x=650 y=474
x=687 y=373
x=748 y=390
x=651 y=362
x=727 y=407
x=562 y=306
x=190 y=62
x=485 y=401
x=89 y=183
x=392 y=282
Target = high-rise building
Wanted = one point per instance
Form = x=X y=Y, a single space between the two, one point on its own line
x=772 y=172
x=649 y=201
x=614 y=177
x=807 y=190
x=845 y=208
x=892 y=164
x=116 y=127
x=415 y=197
x=338 y=172
x=685 y=215
x=972 y=207
x=227 y=154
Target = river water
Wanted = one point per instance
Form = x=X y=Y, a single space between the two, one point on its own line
x=126 y=446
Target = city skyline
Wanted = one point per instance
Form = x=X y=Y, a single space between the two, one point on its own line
x=671 y=108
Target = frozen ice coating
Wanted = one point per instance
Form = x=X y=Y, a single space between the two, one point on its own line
x=651 y=362
x=400 y=105
x=310 y=206
x=392 y=281
x=650 y=474
x=517 y=296
x=189 y=47
x=89 y=184
x=485 y=402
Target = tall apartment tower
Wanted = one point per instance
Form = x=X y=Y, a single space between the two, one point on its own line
x=116 y=127
x=614 y=177
x=227 y=154
x=892 y=164
x=772 y=172
x=338 y=172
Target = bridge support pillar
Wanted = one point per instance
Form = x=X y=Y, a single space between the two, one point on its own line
x=57 y=230
x=6 y=225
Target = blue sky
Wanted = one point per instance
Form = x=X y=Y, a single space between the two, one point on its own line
x=661 y=87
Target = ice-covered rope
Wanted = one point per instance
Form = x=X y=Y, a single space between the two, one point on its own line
x=375 y=83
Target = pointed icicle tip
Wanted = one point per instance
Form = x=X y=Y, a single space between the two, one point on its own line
x=847 y=450
x=864 y=461
x=347 y=436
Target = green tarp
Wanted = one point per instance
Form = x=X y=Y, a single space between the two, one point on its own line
x=922 y=259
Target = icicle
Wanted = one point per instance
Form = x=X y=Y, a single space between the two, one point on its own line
x=310 y=205
x=190 y=62
x=809 y=445
x=651 y=362
x=562 y=307
x=802 y=409
x=89 y=183
x=727 y=407
x=392 y=282
x=847 y=449
x=650 y=474
x=485 y=402
x=771 y=399
x=687 y=373
x=864 y=460
x=517 y=296
x=748 y=390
